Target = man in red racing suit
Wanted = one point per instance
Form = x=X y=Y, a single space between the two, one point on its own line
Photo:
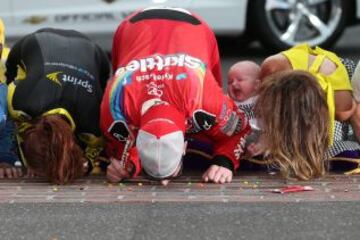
x=164 y=31
x=162 y=92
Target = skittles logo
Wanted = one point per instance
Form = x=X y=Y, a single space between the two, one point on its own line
x=156 y=73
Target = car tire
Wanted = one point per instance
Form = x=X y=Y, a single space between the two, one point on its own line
x=270 y=21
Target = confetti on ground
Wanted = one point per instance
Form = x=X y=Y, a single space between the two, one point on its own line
x=292 y=189
x=93 y=190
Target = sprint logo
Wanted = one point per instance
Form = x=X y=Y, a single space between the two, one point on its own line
x=64 y=78
x=54 y=77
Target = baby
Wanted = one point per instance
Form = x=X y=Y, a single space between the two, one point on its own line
x=243 y=83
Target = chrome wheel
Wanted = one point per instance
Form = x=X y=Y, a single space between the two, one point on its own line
x=296 y=21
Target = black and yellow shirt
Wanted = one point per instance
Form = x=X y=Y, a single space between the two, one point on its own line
x=55 y=71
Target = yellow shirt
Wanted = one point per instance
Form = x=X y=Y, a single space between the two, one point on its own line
x=298 y=57
x=2 y=32
x=2 y=72
x=4 y=52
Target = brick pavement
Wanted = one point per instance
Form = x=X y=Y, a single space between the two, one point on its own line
x=246 y=187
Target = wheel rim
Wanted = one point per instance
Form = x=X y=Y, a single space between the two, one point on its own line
x=297 y=21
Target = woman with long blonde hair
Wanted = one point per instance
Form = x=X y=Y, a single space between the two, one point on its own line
x=303 y=92
x=295 y=123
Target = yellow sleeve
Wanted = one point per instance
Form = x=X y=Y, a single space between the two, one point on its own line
x=94 y=146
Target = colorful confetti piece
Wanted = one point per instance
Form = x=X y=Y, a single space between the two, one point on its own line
x=292 y=189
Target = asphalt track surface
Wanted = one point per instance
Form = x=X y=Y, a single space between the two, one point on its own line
x=326 y=220
x=248 y=208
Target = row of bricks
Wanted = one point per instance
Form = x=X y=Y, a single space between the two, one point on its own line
x=187 y=188
x=189 y=198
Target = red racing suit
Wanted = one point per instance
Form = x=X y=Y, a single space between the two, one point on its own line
x=179 y=78
x=165 y=31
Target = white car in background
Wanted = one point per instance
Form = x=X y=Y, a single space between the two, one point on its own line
x=278 y=24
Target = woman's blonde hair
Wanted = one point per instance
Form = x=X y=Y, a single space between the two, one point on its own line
x=295 y=119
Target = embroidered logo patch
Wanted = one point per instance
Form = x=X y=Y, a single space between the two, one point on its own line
x=239 y=150
x=54 y=77
x=119 y=130
x=203 y=120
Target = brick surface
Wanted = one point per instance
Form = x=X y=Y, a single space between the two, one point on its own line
x=246 y=187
